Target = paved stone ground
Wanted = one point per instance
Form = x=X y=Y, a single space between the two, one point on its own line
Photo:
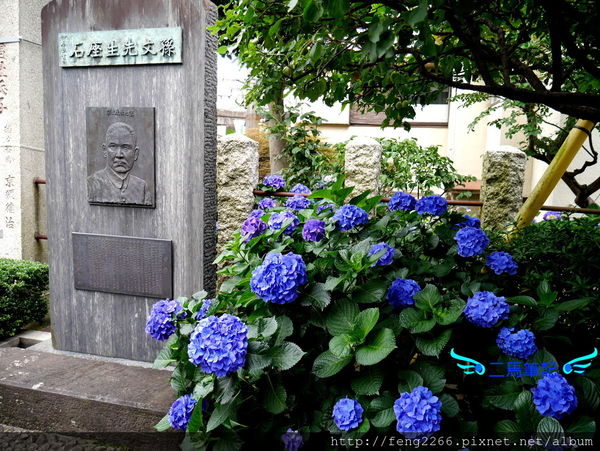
x=17 y=439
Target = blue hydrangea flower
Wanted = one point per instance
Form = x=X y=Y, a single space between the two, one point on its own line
x=386 y=258
x=418 y=413
x=520 y=344
x=300 y=189
x=218 y=345
x=350 y=216
x=206 y=305
x=501 y=263
x=347 y=414
x=549 y=215
x=401 y=293
x=402 y=201
x=257 y=213
x=298 y=202
x=485 y=309
x=252 y=227
x=432 y=205
x=324 y=207
x=161 y=322
x=554 y=397
x=470 y=221
x=274 y=181
x=181 y=411
x=266 y=204
x=277 y=219
x=314 y=230
x=279 y=278
x=292 y=440
x=471 y=241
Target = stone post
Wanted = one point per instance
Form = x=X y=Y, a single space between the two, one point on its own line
x=22 y=203
x=363 y=165
x=237 y=176
x=502 y=186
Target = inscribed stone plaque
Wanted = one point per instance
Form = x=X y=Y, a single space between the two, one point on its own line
x=120 y=264
x=120 y=47
x=120 y=156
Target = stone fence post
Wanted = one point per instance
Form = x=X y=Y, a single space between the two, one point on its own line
x=502 y=186
x=237 y=176
x=363 y=165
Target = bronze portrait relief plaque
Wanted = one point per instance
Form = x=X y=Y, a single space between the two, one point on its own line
x=120 y=156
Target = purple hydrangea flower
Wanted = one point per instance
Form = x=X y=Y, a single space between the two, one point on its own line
x=470 y=221
x=252 y=227
x=274 y=181
x=314 y=230
x=549 y=215
x=219 y=344
x=501 y=263
x=301 y=189
x=401 y=293
x=347 y=414
x=279 y=278
x=266 y=203
x=324 y=207
x=471 y=241
x=350 y=216
x=432 y=205
x=277 y=219
x=418 y=413
x=206 y=305
x=402 y=201
x=386 y=258
x=161 y=322
x=485 y=309
x=554 y=397
x=298 y=202
x=520 y=344
x=292 y=440
x=257 y=213
x=181 y=411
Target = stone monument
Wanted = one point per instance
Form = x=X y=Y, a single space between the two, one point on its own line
x=130 y=128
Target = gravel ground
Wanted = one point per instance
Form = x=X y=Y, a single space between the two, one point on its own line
x=17 y=439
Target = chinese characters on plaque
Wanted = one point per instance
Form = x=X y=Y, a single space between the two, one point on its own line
x=3 y=78
x=121 y=47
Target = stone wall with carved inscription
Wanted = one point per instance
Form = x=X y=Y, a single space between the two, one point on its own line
x=22 y=203
x=130 y=121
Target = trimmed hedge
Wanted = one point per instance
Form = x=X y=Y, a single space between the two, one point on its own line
x=23 y=285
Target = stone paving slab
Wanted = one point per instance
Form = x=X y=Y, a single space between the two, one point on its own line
x=57 y=393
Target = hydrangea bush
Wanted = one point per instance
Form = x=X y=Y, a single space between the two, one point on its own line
x=342 y=326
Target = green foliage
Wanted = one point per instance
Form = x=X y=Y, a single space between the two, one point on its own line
x=390 y=56
x=562 y=257
x=341 y=337
x=23 y=289
x=408 y=167
x=309 y=159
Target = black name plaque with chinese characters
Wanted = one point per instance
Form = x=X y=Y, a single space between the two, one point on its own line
x=122 y=264
x=120 y=47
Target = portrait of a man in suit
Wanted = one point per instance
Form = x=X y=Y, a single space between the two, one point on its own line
x=115 y=184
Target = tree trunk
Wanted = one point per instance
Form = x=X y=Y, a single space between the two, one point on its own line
x=276 y=144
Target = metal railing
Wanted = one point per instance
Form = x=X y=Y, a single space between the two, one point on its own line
x=460 y=203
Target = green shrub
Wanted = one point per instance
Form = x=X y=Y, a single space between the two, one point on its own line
x=406 y=166
x=23 y=285
x=352 y=332
x=565 y=254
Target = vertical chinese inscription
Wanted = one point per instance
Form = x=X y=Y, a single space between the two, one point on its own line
x=3 y=78
x=121 y=47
